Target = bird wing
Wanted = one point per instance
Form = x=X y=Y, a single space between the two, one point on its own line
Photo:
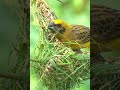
x=105 y=23
x=81 y=33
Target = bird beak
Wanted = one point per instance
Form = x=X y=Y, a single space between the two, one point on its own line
x=51 y=26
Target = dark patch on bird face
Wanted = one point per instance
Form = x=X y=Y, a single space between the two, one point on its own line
x=51 y=27
x=56 y=28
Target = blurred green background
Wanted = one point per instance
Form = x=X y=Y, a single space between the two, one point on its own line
x=8 y=32
x=109 y=3
x=72 y=11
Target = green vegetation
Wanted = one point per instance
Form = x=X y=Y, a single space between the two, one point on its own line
x=52 y=65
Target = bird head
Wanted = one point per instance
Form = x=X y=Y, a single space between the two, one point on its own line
x=57 y=26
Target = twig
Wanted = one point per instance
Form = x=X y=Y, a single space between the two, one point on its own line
x=11 y=76
x=61 y=1
x=33 y=60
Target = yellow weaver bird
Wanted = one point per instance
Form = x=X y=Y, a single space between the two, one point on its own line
x=74 y=36
x=105 y=29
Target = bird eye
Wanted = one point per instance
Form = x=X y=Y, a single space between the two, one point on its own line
x=58 y=25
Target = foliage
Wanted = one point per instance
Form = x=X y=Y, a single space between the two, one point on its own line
x=55 y=66
x=17 y=75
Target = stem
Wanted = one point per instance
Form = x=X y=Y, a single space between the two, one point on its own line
x=11 y=76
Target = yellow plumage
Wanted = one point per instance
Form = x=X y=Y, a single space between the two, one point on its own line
x=74 y=36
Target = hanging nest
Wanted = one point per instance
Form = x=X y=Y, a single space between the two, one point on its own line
x=58 y=66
